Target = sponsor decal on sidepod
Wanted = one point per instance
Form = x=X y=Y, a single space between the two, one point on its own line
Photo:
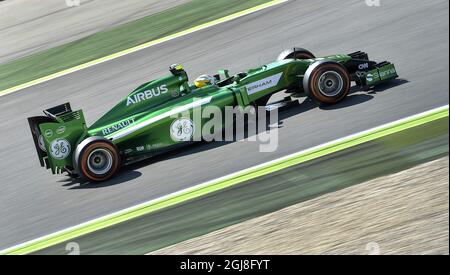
x=182 y=129
x=263 y=84
x=117 y=127
x=149 y=94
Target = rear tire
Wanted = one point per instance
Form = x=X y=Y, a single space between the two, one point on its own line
x=99 y=161
x=327 y=82
x=296 y=53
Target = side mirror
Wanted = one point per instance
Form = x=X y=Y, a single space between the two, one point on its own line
x=224 y=74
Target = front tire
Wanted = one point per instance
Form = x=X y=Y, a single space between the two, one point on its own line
x=98 y=161
x=327 y=82
x=296 y=53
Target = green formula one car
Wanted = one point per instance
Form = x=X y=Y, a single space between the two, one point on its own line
x=144 y=123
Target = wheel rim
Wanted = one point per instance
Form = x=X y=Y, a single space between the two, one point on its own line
x=100 y=161
x=331 y=84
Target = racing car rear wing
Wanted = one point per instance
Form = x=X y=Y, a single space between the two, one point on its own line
x=58 y=110
x=56 y=135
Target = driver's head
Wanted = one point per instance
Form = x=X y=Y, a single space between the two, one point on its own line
x=204 y=80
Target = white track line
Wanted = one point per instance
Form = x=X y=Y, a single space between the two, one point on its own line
x=142 y=46
x=211 y=182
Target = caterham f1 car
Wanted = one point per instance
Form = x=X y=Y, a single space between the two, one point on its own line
x=142 y=125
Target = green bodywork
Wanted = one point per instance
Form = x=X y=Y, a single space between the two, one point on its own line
x=140 y=125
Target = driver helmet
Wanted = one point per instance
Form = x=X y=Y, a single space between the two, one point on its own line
x=204 y=80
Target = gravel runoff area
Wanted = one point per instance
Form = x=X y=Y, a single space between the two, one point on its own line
x=404 y=213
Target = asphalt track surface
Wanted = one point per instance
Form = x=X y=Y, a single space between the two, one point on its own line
x=272 y=192
x=29 y=26
x=413 y=34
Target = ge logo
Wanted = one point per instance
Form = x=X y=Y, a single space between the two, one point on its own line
x=73 y=3
x=373 y=3
x=73 y=249
x=60 y=148
x=182 y=129
x=369 y=77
